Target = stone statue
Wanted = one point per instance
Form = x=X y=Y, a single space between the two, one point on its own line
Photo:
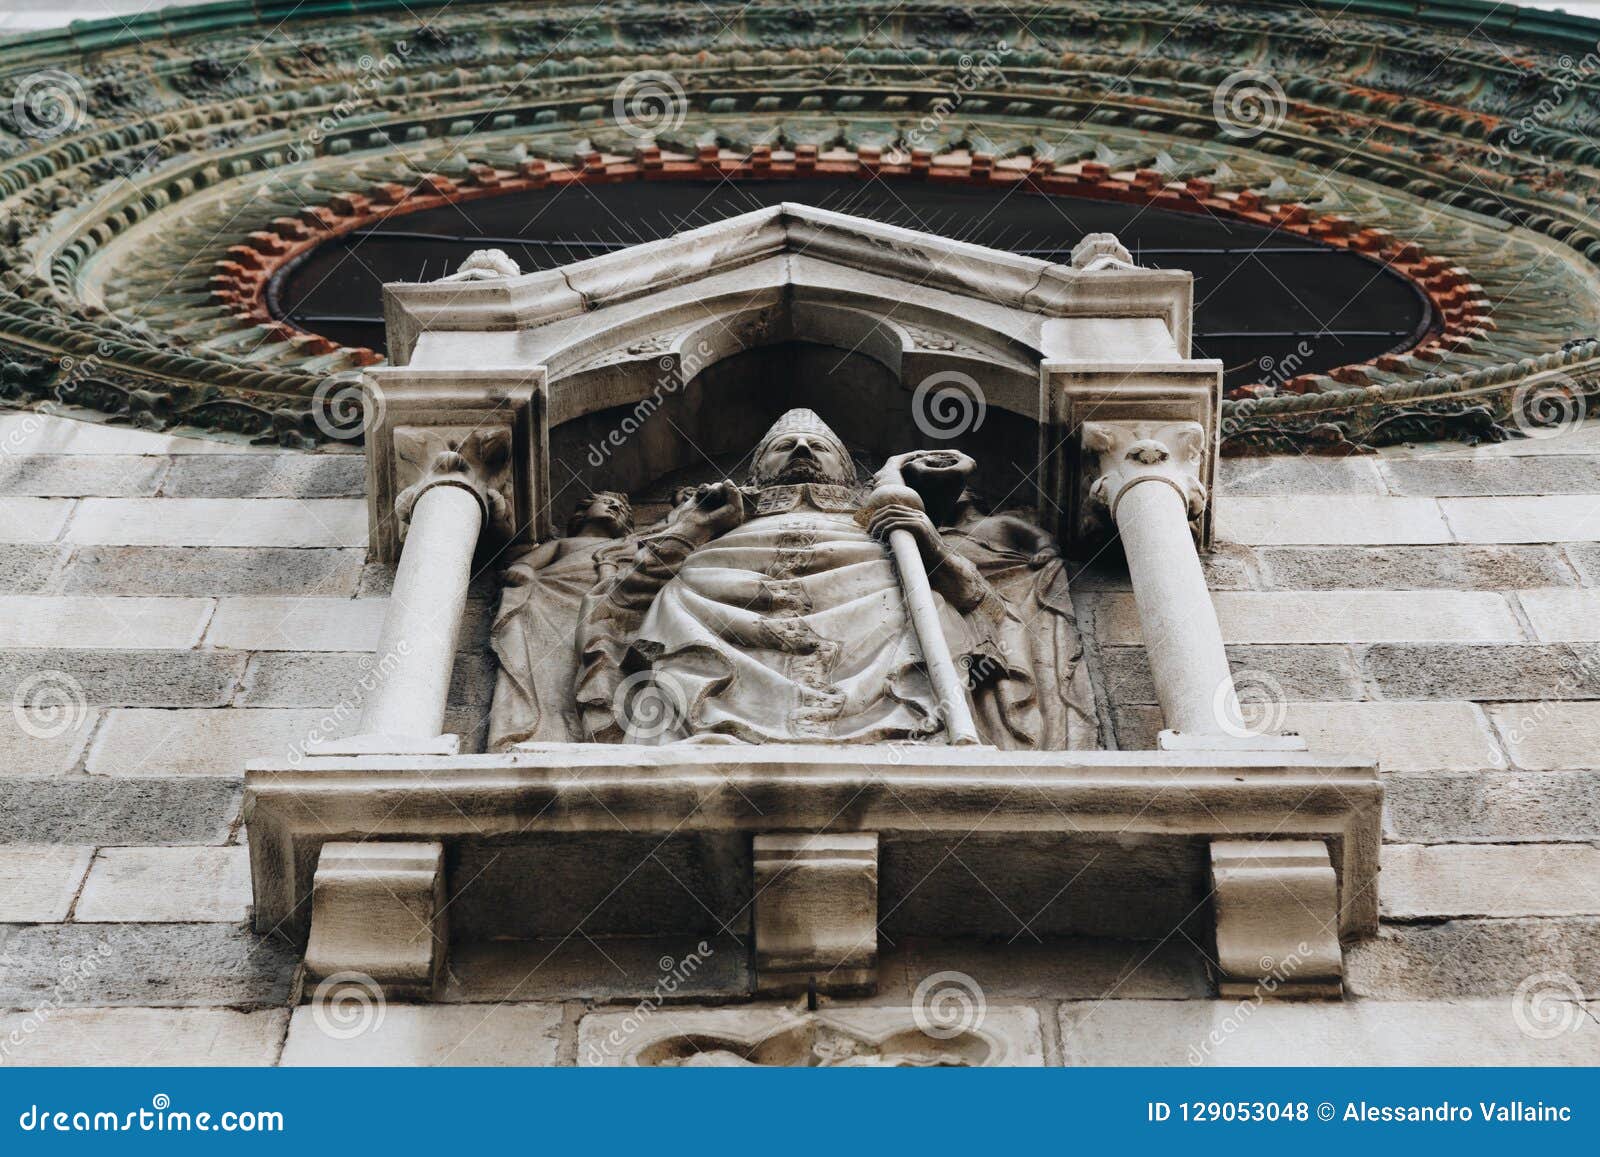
x=540 y=610
x=772 y=613
x=1042 y=647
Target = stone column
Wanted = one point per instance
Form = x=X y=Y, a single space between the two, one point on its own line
x=1149 y=485
x=441 y=514
x=425 y=608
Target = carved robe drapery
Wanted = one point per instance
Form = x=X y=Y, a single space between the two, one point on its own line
x=533 y=640
x=792 y=628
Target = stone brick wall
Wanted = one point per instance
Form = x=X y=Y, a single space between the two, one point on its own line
x=172 y=607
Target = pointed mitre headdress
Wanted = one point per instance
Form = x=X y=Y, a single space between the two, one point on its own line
x=806 y=421
x=801 y=421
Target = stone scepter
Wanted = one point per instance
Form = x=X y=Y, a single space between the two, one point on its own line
x=889 y=489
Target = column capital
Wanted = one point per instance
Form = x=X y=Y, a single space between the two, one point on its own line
x=1094 y=415
x=1130 y=452
x=477 y=460
x=480 y=429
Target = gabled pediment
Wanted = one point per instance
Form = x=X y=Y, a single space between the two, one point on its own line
x=785 y=235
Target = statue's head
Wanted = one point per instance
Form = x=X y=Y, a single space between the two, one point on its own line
x=801 y=448
x=605 y=513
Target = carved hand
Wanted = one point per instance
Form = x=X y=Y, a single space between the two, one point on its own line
x=718 y=507
x=948 y=573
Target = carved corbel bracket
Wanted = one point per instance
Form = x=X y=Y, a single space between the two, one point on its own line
x=1105 y=425
x=1277 y=912
x=482 y=430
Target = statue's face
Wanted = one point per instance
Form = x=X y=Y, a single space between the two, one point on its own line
x=606 y=514
x=803 y=457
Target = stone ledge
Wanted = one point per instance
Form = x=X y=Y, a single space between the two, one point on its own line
x=617 y=791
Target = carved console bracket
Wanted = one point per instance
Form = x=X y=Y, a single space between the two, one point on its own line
x=816 y=912
x=480 y=430
x=377 y=913
x=1277 y=912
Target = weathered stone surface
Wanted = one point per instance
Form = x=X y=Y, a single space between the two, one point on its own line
x=1562 y=615
x=1404 y=736
x=1298 y=474
x=1497 y=672
x=1548 y=735
x=30 y=568
x=1472 y=957
x=623 y=968
x=1330 y=520
x=136 y=741
x=212 y=571
x=98 y=810
x=38 y=882
x=1585 y=557
x=45 y=740
x=37 y=433
x=143 y=1036
x=1422 y=881
x=420 y=1034
x=964 y=1033
x=1493 y=806
x=215 y=522
x=131 y=678
x=1225 y=1032
x=1076 y=968
x=1227 y=567
x=296 y=624
x=146 y=964
x=81 y=476
x=1337 y=617
x=33 y=519
x=1401 y=568
x=1304 y=672
x=81 y=621
x=167 y=885
x=266 y=476
x=1546 y=518
x=1551 y=474
x=297 y=679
